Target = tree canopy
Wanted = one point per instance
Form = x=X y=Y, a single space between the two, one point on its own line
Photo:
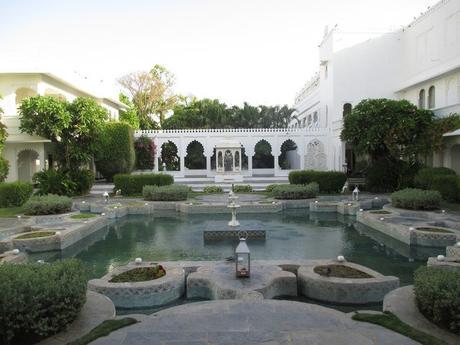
x=72 y=125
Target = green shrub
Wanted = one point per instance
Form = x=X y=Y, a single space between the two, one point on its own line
x=270 y=187
x=15 y=193
x=83 y=179
x=145 y=153
x=444 y=180
x=174 y=192
x=296 y=191
x=242 y=188
x=133 y=184
x=39 y=300
x=213 y=189
x=115 y=153
x=416 y=199
x=328 y=181
x=437 y=292
x=4 y=169
x=48 y=204
x=388 y=175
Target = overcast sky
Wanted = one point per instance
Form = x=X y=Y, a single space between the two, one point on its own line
x=260 y=51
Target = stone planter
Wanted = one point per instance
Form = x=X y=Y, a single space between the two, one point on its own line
x=449 y=263
x=323 y=206
x=345 y=290
x=38 y=244
x=453 y=251
x=152 y=293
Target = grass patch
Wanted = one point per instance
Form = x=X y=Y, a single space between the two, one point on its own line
x=140 y=274
x=433 y=230
x=380 y=212
x=104 y=329
x=391 y=321
x=35 y=234
x=11 y=211
x=340 y=271
x=83 y=216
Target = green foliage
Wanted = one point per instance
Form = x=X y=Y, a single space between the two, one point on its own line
x=4 y=168
x=39 y=300
x=83 y=216
x=145 y=153
x=133 y=184
x=195 y=158
x=242 y=188
x=388 y=175
x=139 y=274
x=60 y=182
x=174 y=192
x=115 y=153
x=416 y=199
x=270 y=187
x=129 y=116
x=170 y=157
x=104 y=329
x=437 y=292
x=47 y=204
x=296 y=191
x=213 y=189
x=441 y=179
x=15 y=193
x=71 y=126
x=207 y=113
x=329 y=181
x=391 y=321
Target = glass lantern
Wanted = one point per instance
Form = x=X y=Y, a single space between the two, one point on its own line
x=242 y=259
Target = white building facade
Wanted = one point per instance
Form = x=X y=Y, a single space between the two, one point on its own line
x=28 y=154
x=420 y=63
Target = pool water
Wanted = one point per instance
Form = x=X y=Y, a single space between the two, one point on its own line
x=292 y=234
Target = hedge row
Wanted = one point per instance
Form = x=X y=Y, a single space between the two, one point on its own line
x=416 y=199
x=213 y=189
x=59 y=182
x=47 y=204
x=133 y=184
x=328 y=181
x=296 y=191
x=437 y=292
x=15 y=193
x=444 y=180
x=242 y=188
x=39 y=300
x=174 y=192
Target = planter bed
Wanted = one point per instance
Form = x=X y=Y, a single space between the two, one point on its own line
x=38 y=241
x=140 y=294
x=352 y=283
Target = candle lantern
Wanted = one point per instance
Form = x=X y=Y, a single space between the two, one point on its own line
x=242 y=259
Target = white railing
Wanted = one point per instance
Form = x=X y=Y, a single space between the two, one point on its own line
x=227 y=130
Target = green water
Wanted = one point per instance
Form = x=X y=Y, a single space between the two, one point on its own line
x=292 y=234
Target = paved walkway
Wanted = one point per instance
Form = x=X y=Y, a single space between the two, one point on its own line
x=242 y=322
x=401 y=302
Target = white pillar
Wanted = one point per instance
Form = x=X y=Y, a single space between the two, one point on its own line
x=276 y=165
x=208 y=165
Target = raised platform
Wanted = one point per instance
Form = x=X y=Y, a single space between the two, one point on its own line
x=217 y=235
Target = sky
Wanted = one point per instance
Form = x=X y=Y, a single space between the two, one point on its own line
x=258 y=51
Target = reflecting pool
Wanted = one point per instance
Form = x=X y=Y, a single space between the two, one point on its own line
x=293 y=234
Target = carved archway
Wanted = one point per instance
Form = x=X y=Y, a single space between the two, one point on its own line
x=28 y=164
x=195 y=158
x=263 y=157
x=289 y=157
x=315 y=158
x=169 y=156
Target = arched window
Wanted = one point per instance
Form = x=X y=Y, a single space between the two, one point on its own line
x=431 y=97
x=421 y=99
x=346 y=109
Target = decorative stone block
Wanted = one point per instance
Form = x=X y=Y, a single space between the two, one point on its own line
x=453 y=251
x=345 y=290
x=152 y=293
x=323 y=206
x=451 y=263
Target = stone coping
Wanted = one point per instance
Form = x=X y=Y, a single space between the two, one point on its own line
x=345 y=290
x=152 y=293
x=401 y=302
x=450 y=263
x=453 y=251
x=97 y=309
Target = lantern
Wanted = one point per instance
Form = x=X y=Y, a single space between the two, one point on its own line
x=106 y=197
x=242 y=259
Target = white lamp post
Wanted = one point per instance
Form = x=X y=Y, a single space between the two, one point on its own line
x=242 y=259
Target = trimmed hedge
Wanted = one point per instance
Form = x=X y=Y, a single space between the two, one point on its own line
x=69 y=183
x=242 y=188
x=48 y=204
x=270 y=187
x=328 y=181
x=416 y=199
x=213 y=189
x=4 y=169
x=83 y=179
x=39 y=300
x=296 y=191
x=444 y=180
x=133 y=184
x=145 y=153
x=15 y=193
x=174 y=192
x=115 y=153
x=437 y=292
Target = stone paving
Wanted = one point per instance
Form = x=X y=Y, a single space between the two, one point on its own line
x=242 y=322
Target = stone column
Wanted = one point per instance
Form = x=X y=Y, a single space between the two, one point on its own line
x=208 y=165
x=276 y=165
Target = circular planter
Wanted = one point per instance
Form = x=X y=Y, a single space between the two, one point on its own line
x=345 y=290
x=434 y=236
x=38 y=244
x=151 y=293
